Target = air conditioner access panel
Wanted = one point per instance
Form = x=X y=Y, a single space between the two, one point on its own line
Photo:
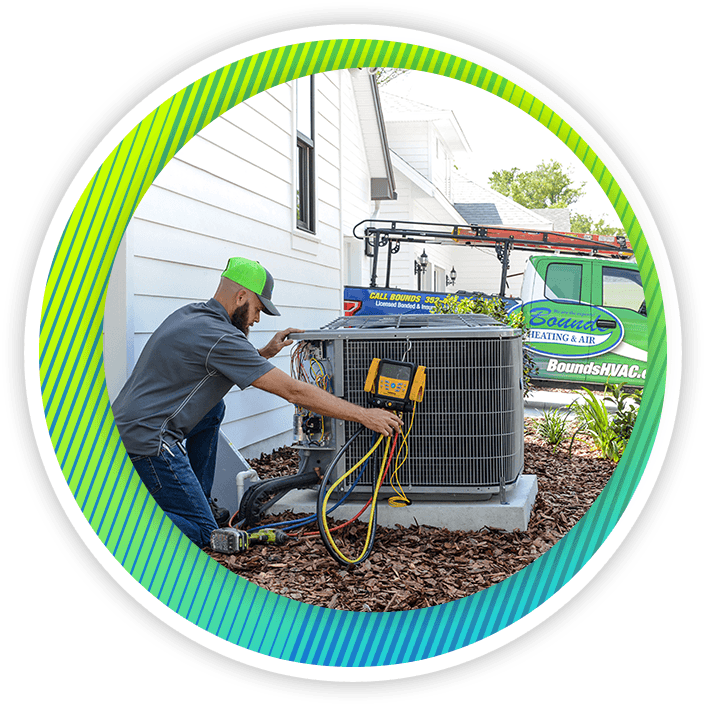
x=467 y=436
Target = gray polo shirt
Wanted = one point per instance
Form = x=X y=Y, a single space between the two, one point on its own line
x=188 y=365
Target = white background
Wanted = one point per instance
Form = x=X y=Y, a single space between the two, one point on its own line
x=79 y=622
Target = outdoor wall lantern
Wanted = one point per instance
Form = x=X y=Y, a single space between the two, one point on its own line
x=420 y=266
x=453 y=277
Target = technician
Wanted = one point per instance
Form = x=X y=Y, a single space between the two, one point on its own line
x=169 y=411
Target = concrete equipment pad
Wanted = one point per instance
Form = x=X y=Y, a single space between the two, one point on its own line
x=457 y=515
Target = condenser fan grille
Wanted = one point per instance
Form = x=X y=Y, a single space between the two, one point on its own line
x=468 y=431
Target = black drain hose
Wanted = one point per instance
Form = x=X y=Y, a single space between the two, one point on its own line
x=251 y=508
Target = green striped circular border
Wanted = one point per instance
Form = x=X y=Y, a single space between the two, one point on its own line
x=104 y=484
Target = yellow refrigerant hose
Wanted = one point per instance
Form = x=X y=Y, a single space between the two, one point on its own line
x=322 y=507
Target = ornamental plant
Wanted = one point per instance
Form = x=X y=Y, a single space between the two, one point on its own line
x=553 y=428
x=610 y=434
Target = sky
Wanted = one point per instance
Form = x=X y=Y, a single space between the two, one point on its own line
x=501 y=136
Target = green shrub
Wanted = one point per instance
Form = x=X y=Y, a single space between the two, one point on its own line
x=627 y=403
x=610 y=434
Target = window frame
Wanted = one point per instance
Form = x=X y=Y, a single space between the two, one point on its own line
x=305 y=178
x=629 y=275
x=547 y=292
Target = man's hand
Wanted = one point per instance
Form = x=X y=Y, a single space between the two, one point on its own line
x=279 y=341
x=381 y=421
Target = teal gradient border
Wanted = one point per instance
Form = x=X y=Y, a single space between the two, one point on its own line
x=105 y=485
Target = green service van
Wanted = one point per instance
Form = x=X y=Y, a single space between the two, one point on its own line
x=582 y=296
x=586 y=318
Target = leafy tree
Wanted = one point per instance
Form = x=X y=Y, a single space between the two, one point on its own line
x=583 y=224
x=548 y=186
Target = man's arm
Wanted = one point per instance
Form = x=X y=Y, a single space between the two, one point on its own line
x=319 y=401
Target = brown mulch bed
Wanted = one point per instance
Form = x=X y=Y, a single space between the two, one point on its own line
x=416 y=567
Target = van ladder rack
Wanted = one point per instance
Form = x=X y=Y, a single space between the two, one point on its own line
x=383 y=232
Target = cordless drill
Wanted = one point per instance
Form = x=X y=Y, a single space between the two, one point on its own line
x=228 y=540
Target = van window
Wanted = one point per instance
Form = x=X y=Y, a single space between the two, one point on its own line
x=622 y=288
x=563 y=281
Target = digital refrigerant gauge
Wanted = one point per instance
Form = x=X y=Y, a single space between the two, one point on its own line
x=394 y=384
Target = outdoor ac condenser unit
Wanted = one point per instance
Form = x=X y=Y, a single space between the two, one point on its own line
x=468 y=432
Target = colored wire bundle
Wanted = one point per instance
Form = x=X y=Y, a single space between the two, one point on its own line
x=313 y=373
x=297 y=366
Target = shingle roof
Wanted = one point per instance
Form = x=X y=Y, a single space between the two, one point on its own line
x=483 y=205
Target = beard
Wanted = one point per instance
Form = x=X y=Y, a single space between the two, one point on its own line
x=240 y=317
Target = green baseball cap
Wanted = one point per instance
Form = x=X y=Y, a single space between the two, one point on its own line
x=252 y=276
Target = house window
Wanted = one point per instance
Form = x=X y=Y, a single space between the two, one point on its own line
x=305 y=178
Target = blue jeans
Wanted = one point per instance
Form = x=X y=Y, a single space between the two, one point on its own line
x=180 y=477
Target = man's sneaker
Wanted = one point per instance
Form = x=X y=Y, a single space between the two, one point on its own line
x=221 y=515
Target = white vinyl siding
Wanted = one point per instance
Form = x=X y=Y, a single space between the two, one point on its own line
x=230 y=191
